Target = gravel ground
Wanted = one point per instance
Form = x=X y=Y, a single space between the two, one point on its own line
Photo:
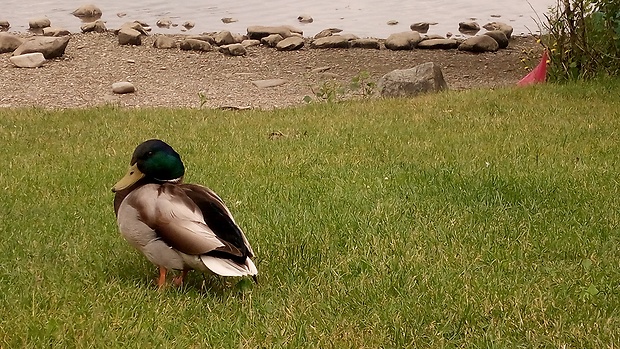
x=174 y=78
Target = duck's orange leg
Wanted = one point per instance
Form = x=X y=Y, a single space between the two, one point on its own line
x=179 y=280
x=162 y=277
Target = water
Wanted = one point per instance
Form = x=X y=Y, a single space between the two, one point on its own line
x=365 y=18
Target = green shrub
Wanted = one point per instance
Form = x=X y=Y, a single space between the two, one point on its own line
x=584 y=39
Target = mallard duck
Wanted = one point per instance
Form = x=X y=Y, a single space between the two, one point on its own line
x=177 y=226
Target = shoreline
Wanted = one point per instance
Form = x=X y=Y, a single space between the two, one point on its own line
x=92 y=62
x=365 y=19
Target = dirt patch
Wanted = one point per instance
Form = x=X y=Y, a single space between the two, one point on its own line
x=173 y=78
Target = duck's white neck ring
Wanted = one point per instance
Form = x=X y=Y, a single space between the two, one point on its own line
x=173 y=181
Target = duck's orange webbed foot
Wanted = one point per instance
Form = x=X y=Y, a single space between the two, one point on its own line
x=161 y=281
x=179 y=280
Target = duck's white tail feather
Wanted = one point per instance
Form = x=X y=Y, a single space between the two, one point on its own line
x=226 y=267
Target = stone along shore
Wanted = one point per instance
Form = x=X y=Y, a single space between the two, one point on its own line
x=266 y=67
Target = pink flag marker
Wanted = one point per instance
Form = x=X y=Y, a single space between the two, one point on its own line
x=538 y=74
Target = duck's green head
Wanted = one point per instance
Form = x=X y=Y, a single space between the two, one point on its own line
x=154 y=160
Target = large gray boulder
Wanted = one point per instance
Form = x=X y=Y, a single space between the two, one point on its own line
x=423 y=78
x=50 y=47
x=479 y=43
x=9 y=42
x=403 y=40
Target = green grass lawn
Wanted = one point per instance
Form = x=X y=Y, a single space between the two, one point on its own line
x=462 y=219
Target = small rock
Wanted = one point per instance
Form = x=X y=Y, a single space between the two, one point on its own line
x=189 y=24
x=258 y=32
x=89 y=10
x=423 y=78
x=238 y=37
x=496 y=16
x=305 y=19
x=327 y=32
x=138 y=26
x=164 y=23
x=469 y=27
x=228 y=20
x=97 y=26
x=268 y=83
x=52 y=31
x=444 y=44
x=195 y=45
x=271 y=40
x=420 y=27
x=164 y=42
x=403 y=40
x=207 y=38
x=479 y=43
x=290 y=44
x=503 y=27
x=28 y=60
x=129 y=36
x=432 y=36
x=123 y=87
x=121 y=14
x=39 y=23
x=224 y=38
x=349 y=37
x=141 y=23
x=234 y=49
x=9 y=42
x=392 y=22
x=50 y=47
x=366 y=43
x=4 y=25
x=498 y=36
x=249 y=43
x=334 y=41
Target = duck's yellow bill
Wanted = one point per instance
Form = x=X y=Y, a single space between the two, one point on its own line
x=133 y=175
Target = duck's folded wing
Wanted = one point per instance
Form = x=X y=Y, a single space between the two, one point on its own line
x=180 y=223
x=219 y=219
